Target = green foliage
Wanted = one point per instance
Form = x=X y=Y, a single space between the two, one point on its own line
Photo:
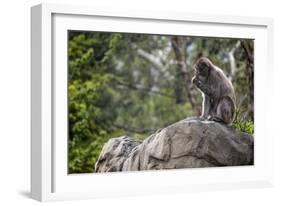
x=86 y=88
x=127 y=84
x=244 y=126
x=242 y=123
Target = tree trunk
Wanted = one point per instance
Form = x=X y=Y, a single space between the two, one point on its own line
x=249 y=48
x=183 y=76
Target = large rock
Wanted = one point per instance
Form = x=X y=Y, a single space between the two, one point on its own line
x=190 y=143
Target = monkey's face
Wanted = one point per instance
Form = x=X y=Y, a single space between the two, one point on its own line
x=202 y=67
x=201 y=71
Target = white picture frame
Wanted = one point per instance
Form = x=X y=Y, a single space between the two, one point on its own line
x=49 y=178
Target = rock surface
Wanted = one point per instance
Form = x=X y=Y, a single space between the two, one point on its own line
x=190 y=143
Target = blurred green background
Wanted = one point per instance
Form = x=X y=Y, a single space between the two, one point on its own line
x=133 y=84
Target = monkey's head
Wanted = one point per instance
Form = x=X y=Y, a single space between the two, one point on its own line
x=202 y=70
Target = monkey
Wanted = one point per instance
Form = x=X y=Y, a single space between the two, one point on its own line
x=217 y=92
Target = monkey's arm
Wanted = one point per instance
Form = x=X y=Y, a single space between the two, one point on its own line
x=206 y=106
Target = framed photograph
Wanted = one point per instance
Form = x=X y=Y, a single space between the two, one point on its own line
x=137 y=102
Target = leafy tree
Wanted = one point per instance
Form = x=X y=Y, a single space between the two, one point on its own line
x=133 y=84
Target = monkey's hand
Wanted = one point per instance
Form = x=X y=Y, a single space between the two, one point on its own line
x=204 y=88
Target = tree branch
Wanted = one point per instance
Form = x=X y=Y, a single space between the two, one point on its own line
x=141 y=88
x=232 y=61
x=248 y=51
x=156 y=62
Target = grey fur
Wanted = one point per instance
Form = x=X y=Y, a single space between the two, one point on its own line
x=217 y=91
